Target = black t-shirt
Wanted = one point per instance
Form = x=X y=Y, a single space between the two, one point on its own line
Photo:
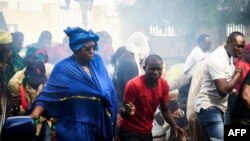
x=240 y=111
x=125 y=69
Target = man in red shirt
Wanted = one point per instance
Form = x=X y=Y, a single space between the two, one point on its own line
x=142 y=96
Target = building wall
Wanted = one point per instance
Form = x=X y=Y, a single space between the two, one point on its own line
x=102 y=20
x=48 y=16
x=32 y=22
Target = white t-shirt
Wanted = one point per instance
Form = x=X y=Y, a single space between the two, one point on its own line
x=195 y=56
x=218 y=65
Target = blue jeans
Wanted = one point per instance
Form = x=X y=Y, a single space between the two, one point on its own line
x=212 y=121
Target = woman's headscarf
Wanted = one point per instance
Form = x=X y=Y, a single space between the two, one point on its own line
x=36 y=54
x=78 y=37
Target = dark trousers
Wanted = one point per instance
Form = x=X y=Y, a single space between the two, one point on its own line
x=133 y=136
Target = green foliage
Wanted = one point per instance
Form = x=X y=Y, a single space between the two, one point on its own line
x=236 y=11
x=185 y=13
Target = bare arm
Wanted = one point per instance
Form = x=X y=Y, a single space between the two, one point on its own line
x=179 y=82
x=166 y=113
x=224 y=87
x=36 y=113
x=169 y=118
x=128 y=107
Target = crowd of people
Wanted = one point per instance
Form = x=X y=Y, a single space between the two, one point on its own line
x=82 y=89
x=214 y=80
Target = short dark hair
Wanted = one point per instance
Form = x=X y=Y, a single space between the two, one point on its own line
x=153 y=57
x=202 y=37
x=17 y=35
x=45 y=35
x=232 y=36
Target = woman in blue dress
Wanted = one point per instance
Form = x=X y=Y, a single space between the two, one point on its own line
x=79 y=93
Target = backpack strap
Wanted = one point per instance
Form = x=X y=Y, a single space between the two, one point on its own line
x=23 y=98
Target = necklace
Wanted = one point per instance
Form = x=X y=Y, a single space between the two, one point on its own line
x=87 y=70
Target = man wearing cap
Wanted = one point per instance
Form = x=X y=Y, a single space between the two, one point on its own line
x=79 y=93
x=5 y=55
x=16 y=62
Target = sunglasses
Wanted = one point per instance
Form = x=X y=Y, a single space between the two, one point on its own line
x=89 y=48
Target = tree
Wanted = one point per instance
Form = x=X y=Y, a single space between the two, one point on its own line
x=236 y=11
x=185 y=14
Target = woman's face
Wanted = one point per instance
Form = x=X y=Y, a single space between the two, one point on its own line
x=86 y=53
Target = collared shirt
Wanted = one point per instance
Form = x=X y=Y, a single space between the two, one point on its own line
x=195 y=56
x=218 y=66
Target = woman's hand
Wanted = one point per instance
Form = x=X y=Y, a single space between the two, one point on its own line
x=36 y=113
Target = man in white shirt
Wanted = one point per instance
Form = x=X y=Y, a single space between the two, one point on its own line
x=199 y=52
x=218 y=81
x=183 y=82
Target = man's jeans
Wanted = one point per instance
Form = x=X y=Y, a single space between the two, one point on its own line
x=212 y=121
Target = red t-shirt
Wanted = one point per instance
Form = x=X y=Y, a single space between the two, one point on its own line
x=245 y=66
x=146 y=101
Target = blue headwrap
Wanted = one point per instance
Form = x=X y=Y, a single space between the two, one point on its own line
x=78 y=37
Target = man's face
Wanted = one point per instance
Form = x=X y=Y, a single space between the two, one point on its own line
x=153 y=69
x=206 y=44
x=236 y=47
x=18 y=44
x=45 y=43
